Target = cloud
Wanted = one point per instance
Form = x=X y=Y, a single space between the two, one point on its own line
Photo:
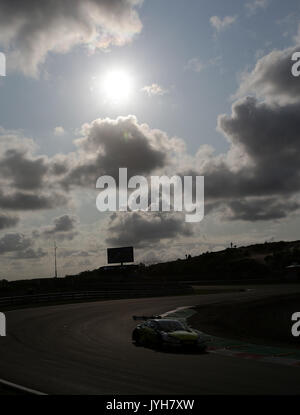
x=196 y=65
x=7 y=221
x=272 y=79
x=58 y=165
x=155 y=89
x=85 y=263
x=63 y=228
x=221 y=24
x=32 y=29
x=75 y=253
x=17 y=246
x=28 y=182
x=108 y=145
x=31 y=182
x=141 y=229
x=297 y=37
x=262 y=165
x=265 y=130
x=64 y=223
x=12 y=242
x=15 y=139
x=30 y=253
x=253 y=6
x=59 y=131
x=258 y=179
x=267 y=138
x=31 y=201
x=260 y=209
x=25 y=172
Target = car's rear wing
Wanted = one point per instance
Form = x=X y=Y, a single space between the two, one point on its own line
x=145 y=317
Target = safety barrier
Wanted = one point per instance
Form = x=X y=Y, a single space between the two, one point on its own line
x=90 y=295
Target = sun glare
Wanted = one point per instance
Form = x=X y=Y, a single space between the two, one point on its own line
x=117 y=86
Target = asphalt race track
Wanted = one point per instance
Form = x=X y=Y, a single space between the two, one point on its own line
x=86 y=349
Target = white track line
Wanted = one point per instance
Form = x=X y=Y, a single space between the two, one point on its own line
x=20 y=388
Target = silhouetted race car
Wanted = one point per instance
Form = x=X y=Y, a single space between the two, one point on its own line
x=167 y=333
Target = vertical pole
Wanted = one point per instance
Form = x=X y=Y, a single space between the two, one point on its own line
x=55 y=265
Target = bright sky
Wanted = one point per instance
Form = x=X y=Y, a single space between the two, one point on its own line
x=170 y=69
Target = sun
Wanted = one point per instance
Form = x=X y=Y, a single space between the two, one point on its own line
x=117 y=86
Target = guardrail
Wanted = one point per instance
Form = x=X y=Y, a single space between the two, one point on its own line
x=88 y=295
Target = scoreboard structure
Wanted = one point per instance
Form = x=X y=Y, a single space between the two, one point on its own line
x=120 y=255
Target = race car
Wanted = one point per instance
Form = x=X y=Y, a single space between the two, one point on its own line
x=167 y=333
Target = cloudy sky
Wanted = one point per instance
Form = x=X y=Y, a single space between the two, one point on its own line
x=161 y=87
